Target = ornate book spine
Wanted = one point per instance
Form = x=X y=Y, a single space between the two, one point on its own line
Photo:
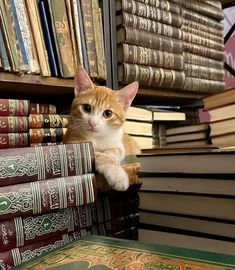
x=14 y=107
x=3 y=53
x=14 y=124
x=46 y=195
x=45 y=162
x=145 y=56
x=40 y=108
x=90 y=36
x=149 y=40
x=12 y=140
x=149 y=12
x=22 y=231
x=141 y=23
x=150 y=76
x=47 y=121
x=40 y=135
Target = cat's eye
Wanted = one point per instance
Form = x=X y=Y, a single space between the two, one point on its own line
x=107 y=113
x=86 y=108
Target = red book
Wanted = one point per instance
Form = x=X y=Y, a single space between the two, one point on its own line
x=46 y=195
x=13 y=140
x=14 y=107
x=20 y=165
x=14 y=124
x=41 y=108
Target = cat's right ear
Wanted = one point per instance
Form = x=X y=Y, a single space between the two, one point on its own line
x=82 y=82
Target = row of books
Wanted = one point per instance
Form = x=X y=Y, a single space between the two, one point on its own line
x=52 y=38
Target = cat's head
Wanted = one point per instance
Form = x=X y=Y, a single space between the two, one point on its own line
x=97 y=110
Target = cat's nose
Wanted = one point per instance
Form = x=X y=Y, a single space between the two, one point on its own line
x=91 y=123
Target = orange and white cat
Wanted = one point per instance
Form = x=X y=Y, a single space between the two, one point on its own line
x=97 y=115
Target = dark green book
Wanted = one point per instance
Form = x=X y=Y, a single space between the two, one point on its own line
x=101 y=253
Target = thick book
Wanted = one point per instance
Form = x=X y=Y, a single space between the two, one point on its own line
x=47 y=121
x=14 y=124
x=222 y=113
x=42 y=135
x=14 y=107
x=42 y=108
x=187 y=129
x=222 y=127
x=225 y=140
x=5 y=64
x=45 y=162
x=138 y=128
x=121 y=253
x=12 y=140
x=46 y=195
x=185 y=137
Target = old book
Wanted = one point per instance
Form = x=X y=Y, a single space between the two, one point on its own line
x=35 y=24
x=142 y=23
x=147 y=39
x=143 y=141
x=225 y=140
x=14 y=124
x=149 y=57
x=192 y=136
x=45 y=162
x=222 y=113
x=42 y=108
x=187 y=129
x=61 y=32
x=86 y=7
x=41 y=135
x=151 y=76
x=12 y=140
x=118 y=255
x=185 y=144
x=149 y=12
x=137 y=128
x=22 y=231
x=14 y=107
x=5 y=64
x=47 y=121
x=222 y=127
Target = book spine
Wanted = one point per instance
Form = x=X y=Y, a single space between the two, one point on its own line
x=13 y=124
x=47 y=121
x=41 y=135
x=145 y=24
x=45 y=162
x=203 y=72
x=14 y=107
x=150 y=76
x=45 y=144
x=149 y=40
x=86 y=6
x=12 y=140
x=40 y=108
x=3 y=54
x=145 y=56
x=22 y=231
x=150 y=12
x=46 y=195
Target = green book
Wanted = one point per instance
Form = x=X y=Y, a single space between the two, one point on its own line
x=101 y=253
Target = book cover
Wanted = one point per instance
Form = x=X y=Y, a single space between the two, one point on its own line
x=13 y=140
x=5 y=64
x=42 y=108
x=14 y=107
x=14 y=124
x=41 y=135
x=47 y=121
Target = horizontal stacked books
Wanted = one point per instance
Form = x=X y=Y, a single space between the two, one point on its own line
x=187 y=199
x=171 y=44
x=52 y=38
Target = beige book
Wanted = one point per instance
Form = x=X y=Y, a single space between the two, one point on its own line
x=138 y=128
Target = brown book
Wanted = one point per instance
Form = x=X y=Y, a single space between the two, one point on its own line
x=223 y=126
x=137 y=22
x=149 y=12
x=86 y=6
x=42 y=108
x=47 y=121
x=151 y=76
x=149 y=40
x=14 y=107
x=14 y=124
x=146 y=56
x=31 y=164
x=222 y=113
x=225 y=140
x=200 y=135
x=12 y=140
x=187 y=129
x=41 y=135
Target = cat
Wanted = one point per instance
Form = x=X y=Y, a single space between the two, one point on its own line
x=97 y=115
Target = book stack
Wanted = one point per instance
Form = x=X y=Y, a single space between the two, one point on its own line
x=202 y=35
x=187 y=199
x=52 y=38
x=221 y=110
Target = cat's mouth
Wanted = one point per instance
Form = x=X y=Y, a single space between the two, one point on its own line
x=90 y=129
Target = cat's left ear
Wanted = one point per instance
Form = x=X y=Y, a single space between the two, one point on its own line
x=126 y=95
x=82 y=81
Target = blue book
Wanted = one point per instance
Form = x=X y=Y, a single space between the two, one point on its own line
x=3 y=53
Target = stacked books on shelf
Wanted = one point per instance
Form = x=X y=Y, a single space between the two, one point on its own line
x=221 y=110
x=174 y=45
x=187 y=199
x=52 y=38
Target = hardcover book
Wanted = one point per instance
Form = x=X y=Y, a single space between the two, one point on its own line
x=14 y=107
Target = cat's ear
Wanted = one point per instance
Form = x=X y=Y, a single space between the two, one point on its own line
x=82 y=81
x=126 y=95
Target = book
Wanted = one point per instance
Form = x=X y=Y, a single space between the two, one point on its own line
x=42 y=108
x=5 y=64
x=144 y=142
x=41 y=135
x=46 y=195
x=13 y=140
x=222 y=113
x=14 y=107
x=31 y=164
x=184 y=144
x=118 y=255
x=226 y=140
x=14 y=124
x=187 y=129
x=137 y=128
x=193 y=136
x=48 y=121
x=222 y=127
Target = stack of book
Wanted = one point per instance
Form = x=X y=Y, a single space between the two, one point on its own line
x=52 y=38
x=221 y=110
x=187 y=199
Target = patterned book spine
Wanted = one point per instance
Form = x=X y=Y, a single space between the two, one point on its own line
x=45 y=162
x=86 y=6
x=45 y=144
x=22 y=231
x=46 y=195
x=214 y=3
x=145 y=56
x=47 y=121
x=149 y=12
x=3 y=54
x=40 y=108
x=14 y=107
x=149 y=40
x=14 y=124
x=145 y=24
x=41 y=135
x=12 y=140
x=203 y=72
x=150 y=76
